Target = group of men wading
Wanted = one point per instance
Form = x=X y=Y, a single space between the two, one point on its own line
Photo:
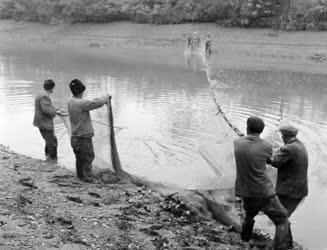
x=255 y=187
x=194 y=41
x=80 y=120
x=251 y=155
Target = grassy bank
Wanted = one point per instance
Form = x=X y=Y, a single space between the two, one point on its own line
x=304 y=15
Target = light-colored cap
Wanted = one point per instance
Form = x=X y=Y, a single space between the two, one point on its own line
x=289 y=130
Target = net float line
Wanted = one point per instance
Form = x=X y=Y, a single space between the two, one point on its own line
x=218 y=107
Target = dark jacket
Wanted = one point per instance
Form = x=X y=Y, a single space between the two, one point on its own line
x=292 y=163
x=79 y=115
x=44 y=112
x=251 y=154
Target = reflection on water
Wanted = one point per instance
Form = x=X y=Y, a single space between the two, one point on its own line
x=165 y=106
x=161 y=107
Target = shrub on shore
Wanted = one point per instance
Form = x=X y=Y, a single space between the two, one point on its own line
x=312 y=19
x=101 y=11
x=178 y=11
x=248 y=13
x=53 y=11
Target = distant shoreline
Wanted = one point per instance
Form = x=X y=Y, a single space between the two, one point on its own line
x=252 y=49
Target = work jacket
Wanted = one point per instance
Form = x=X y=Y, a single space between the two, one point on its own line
x=292 y=175
x=44 y=111
x=251 y=154
x=79 y=115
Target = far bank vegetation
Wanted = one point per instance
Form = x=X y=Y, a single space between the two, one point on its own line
x=277 y=14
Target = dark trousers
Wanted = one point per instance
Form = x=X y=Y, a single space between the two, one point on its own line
x=84 y=154
x=290 y=204
x=208 y=49
x=274 y=210
x=51 y=143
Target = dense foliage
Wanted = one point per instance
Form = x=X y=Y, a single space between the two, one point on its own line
x=245 y=13
x=145 y=11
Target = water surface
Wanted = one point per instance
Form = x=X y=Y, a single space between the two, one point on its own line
x=164 y=105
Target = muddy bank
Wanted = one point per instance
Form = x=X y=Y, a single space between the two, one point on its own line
x=43 y=206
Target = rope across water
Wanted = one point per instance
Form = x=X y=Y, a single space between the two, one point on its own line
x=218 y=106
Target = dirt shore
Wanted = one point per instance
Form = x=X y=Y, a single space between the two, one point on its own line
x=44 y=206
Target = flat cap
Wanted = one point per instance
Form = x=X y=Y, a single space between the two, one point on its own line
x=289 y=130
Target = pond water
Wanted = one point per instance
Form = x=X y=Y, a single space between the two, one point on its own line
x=165 y=108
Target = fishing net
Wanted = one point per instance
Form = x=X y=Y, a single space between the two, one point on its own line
x=101 y=140
x=104 y=142
x=220 y=154
x=218 y=158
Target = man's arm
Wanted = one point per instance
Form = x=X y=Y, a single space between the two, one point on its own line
x=270 y=152
x=47 y=107
x=281 y=157
x=95 y=103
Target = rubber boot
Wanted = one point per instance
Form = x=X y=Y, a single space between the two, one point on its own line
x=46 y=151
x=79 y=169
x=281 y=240
x=87 y=171
x=52 y=154
x=247 y=228
x=290 y=237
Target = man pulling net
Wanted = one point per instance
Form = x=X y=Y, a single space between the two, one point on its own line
x=254 y=186
x=43 y=119
x=82 y=129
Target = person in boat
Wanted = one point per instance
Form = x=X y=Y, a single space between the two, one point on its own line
x=253 y=184
x=82 y=129
x=291 y=162
x=43 y=119
x=208 y=45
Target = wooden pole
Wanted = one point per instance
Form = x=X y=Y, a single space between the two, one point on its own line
x=115 y=161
